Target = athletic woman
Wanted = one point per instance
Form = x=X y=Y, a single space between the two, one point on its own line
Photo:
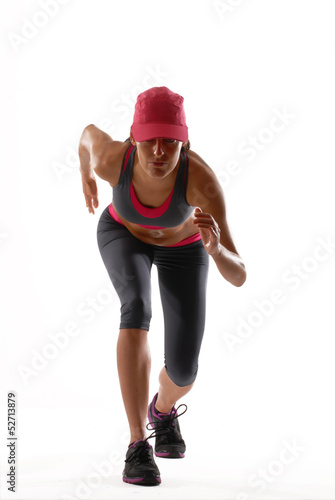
x=168 y=209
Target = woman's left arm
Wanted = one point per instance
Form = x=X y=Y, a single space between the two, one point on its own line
x=205 y=192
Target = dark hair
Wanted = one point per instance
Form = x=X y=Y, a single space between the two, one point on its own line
x=188 y=144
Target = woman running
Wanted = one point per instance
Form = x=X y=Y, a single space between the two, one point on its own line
x=168 y=209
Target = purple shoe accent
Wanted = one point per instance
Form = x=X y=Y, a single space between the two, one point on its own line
x=133 y=480
x=138 y=480
x=138 y=441
x=168 y=454
x=132 y=445
x=157 y=413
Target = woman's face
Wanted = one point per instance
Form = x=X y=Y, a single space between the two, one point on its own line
x=158 y=157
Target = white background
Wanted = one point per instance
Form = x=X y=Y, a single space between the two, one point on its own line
x=261 y=388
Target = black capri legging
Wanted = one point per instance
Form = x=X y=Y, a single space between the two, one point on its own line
x=182 y=276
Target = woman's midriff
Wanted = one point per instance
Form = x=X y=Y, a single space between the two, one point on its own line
x=162 y=237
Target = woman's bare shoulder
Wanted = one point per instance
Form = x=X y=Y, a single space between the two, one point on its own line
x=201 y=179
x=197 y=164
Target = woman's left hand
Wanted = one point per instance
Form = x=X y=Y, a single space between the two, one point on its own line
x=209 y=231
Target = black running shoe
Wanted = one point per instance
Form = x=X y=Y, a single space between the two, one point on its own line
x=140 y=467
x=169 y=443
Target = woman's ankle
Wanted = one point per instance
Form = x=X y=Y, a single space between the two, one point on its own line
x=136 y=435
x=163 y=407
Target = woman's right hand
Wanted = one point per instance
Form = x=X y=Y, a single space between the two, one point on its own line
x=90 y=190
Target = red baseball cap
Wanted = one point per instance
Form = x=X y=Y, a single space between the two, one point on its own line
x=159 y=112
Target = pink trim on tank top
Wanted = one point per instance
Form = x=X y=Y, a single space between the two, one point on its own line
x=114 y=215
x=117 y=218
x=191 y=239
x=146 y=211
x=127 y=157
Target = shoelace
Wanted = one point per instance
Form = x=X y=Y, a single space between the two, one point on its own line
x=163 y=427
x=141 y=453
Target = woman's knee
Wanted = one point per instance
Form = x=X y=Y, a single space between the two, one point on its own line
x=182 y=375
x=136 y=313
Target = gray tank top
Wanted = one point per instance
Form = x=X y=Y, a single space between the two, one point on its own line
x=174 y=211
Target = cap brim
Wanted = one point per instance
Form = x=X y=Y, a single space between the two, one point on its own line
x=147 y=131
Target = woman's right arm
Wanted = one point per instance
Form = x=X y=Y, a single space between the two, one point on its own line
x=93 y=146
x=98 y=153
